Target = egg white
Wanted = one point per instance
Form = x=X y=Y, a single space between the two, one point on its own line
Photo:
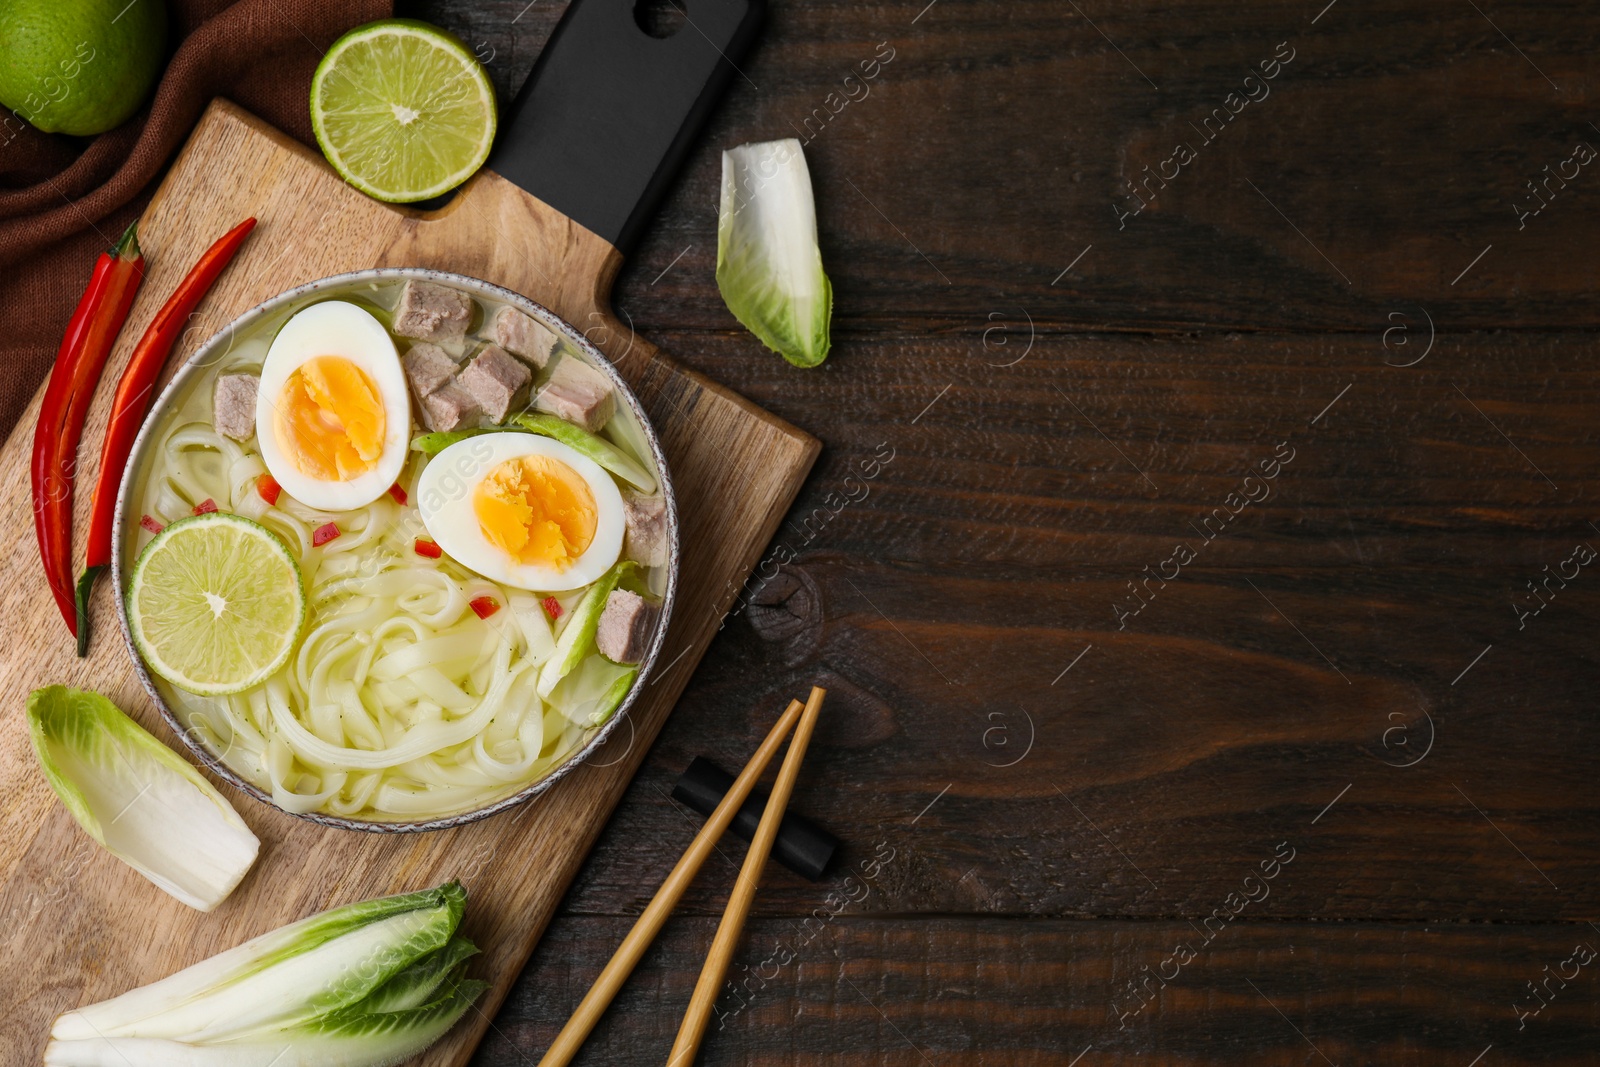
x=444 y=498
x=335 y=328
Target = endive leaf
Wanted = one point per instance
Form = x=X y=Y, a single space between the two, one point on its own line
x=419 y=983
x=140 y=800
x=342 y=1039
x=769 y=267
x=281 y=979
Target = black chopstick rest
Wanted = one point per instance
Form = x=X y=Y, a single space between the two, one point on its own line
x=802 y=846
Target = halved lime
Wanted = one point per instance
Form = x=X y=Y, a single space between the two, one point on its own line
x=216 y=605
x=402 y=110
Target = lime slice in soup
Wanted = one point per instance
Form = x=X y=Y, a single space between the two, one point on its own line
x=402 y=110
x=215 y=605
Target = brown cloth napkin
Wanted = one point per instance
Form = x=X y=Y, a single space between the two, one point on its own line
x=63 y=200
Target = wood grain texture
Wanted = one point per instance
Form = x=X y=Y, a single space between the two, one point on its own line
x=990 y=152
x=952 y=202
x=731 y=928
x=643 y=933
x=943 y=606
x=975 y=991
x=1168 y=762
x=80 y=925
x=995 y=147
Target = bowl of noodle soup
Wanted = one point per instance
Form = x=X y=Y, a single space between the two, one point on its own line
x=403 y=707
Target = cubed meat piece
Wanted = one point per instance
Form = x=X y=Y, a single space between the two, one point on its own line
x=625 y=626
x=427 y=368
x=497 y=381
x=233 y=405
x=578 y=393
x=448 y=407
x=523 y=336
x=432 y=312
x=646 y=518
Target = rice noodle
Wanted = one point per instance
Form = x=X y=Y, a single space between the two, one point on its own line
x=400 y=703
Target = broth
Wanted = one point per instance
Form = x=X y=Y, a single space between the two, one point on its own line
x=400 y=703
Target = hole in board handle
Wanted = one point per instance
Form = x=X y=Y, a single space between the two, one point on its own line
x=660 y=18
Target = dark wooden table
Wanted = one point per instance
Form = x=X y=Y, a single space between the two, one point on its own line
x=1213 y=664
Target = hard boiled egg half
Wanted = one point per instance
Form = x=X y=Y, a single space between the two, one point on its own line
x=332 y=414
x=523 y=510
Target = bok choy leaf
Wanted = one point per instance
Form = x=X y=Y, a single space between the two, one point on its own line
x=366 y=985
x=577 y=638
x=769 y=267
x=596 y=448
x=140 y=800
x=576 y=437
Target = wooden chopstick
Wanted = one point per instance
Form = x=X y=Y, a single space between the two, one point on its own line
x=655 y=914
x=744 y=891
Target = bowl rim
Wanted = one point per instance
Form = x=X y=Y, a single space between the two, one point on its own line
x=207 y=355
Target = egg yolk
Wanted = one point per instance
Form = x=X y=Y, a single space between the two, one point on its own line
x=330 y=420
x=537 y=510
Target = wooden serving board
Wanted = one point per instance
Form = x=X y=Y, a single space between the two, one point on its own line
x=79 y=926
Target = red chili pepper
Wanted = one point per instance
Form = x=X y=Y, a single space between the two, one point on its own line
x=324 y=533
x=80 y=361
x=133 y=400
x=269 y=489
x=428 y=548
x=398 y=493
x=484 y=606
x=552 y=608
x=150 y=524
x=205 y=507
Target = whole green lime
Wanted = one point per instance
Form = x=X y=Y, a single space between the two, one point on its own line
x=79 y=66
